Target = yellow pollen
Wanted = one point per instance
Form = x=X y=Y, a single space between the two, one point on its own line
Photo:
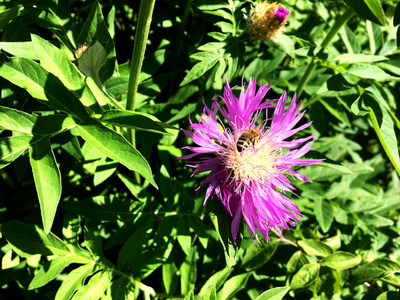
x=254 y=164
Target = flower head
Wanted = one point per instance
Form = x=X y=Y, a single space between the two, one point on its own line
x=266 y=20
x=249 y=163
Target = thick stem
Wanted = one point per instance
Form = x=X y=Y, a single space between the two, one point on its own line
x=142 y=33
x=331 y=34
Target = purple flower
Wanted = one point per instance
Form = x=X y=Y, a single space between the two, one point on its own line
x=248 y=163
x=281 y=14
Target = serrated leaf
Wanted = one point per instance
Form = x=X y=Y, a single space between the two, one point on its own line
x=43 y=86
x=115 y=147
x=12 y=147
x=369 y=9
x=341 y=260
x=323 y=213
x=374 y=270
x=314 y=247
x=274 y=294
x=74 y=280
x=132 y=119
x=47 y=178
x=305 y=276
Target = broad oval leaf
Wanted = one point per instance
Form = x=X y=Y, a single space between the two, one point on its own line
x=274 y=294
x=233 y=285
x=323 y=213
x=258 y=254
x=377 y=269
x=305 y=276
x=314 y=247
x=341 y=260
x=115 y=147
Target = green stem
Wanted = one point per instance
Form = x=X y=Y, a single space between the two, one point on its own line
x=331 y=34
x=142 y=33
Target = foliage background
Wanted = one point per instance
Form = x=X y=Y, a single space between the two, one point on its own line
x=67 y=168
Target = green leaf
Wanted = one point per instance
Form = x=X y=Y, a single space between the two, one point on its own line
x=134 y=246
x=169 y=277
x=222 y=223
x=43 y=86
x=258 y=254
x=74 y=280
x=184 y=237
x=47 y=178
x=132 y=119
x=377 y=269
x=158 y=250
x=28 y=240
x=274 y=294
x=217 y=279
x=210 y=293
x=9 y=13
x=56 y=62
x=95 y=288
x=115 y=147
x=384 y=128
x=305 y=276
x=323 y=213
x=50 y=271
x=314 y=247
x=16 y=120
x=20 y=49
x=396 y=18
x=233 y=285
x=392 y=295
x=370 y=71
x=12 y=147
x=103 y=209
x=189 y=271
x=98 y=61
x=368 y=9
x=341 y=260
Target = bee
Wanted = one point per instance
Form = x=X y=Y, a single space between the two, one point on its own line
x=248 y=137
x=82 y=49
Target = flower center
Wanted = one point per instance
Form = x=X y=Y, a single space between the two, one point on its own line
x=253 y=164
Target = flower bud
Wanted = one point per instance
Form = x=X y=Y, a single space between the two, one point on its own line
x=266 y=20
